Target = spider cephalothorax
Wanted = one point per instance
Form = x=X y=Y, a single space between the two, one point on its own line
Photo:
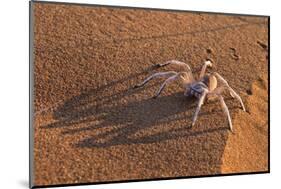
x=206 y=86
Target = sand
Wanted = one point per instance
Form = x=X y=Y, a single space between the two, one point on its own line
x=90 y=125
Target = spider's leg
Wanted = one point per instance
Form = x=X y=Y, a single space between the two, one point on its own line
x=175 y=62
x=232 y=92
x=224 y=82
x=226 y=111
x=237 y=97
x=217 y=91
x=200 y=103
x=204 y=67
x=159 y=74
x=185 y=77
x=167 y=81
x=184 y=67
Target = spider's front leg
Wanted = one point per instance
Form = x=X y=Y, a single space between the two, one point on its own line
x=167 y=81
x=226 y=111
x=207 y=63
x=216 y=94
x=200 y=103
x=156 y=75
x=185 y=78
x=176 y=63
x=231 y=91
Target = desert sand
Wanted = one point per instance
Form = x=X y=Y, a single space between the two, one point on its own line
x=90 y=125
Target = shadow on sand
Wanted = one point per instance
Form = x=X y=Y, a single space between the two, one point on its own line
x=114 y=117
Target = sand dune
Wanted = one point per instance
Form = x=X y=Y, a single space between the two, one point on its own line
x=90 y=125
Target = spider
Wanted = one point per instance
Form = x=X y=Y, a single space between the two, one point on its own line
x=205 y=87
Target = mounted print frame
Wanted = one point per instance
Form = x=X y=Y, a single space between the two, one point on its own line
x=121 y=94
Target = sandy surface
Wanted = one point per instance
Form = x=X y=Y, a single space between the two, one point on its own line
x=91 y=126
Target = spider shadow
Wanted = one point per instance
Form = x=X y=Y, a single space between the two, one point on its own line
x=84 y=107
x=145 y=122
x=102 y=111
x=115 y=115
x=80 y=109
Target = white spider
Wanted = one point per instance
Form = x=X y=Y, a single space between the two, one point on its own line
x=205 y=87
